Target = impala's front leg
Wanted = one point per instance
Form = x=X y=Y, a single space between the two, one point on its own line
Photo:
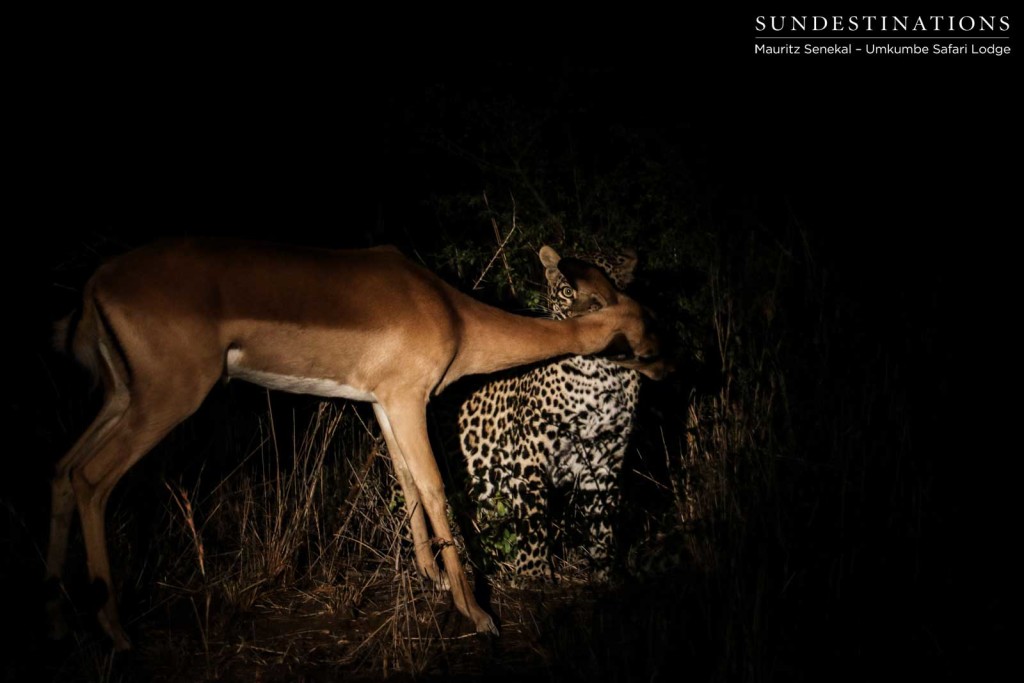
x=408 y=423
x=425 y=561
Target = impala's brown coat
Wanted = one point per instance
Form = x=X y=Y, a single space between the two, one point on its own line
x=161 y=325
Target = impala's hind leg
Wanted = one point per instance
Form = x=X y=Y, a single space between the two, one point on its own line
x=63 y=500
x=153 y=410
x=135 y=416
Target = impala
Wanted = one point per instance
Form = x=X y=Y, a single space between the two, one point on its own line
x=160 y=326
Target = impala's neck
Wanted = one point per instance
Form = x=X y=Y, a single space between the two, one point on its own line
x=492 y=340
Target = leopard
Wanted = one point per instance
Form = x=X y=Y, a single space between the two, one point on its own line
x=557 y=430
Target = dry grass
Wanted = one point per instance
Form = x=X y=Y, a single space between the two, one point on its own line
x=296 y=565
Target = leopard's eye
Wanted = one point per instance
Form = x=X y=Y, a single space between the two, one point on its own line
x=568 y=292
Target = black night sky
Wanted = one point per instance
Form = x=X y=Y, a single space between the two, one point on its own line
x=904 y=172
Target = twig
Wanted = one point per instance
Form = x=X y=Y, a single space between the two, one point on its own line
x=501 y=247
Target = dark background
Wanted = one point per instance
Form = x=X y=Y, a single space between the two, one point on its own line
x=905 y=171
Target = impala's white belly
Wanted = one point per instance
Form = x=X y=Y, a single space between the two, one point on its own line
x=315 y=386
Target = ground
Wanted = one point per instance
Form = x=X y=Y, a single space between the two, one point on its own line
x=379 y=624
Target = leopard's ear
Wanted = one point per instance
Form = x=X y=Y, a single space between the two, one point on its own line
x=550 y=258
x=623 y=272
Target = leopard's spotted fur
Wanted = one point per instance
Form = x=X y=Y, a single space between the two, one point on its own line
x=563 y=425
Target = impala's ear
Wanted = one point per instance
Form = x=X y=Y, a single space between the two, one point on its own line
x=588 y=281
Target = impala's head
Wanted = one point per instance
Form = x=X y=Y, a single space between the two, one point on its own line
x=577 y=287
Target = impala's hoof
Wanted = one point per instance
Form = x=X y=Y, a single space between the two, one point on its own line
x=485 y=624
x=58 y=625
x=121 y=643
x=434 y=573
x=115 y=632
x=58 y=628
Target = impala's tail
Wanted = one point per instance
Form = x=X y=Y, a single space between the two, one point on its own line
x=81 y=333
x=63 y=329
